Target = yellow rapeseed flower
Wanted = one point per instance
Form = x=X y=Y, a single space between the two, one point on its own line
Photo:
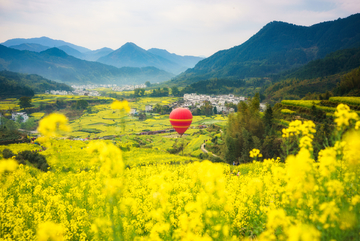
x=352 y=147
x=255 y=153
x=8 y=165
x=51 y=124
x=50 y=231
x=121 y=105
x=343 y=115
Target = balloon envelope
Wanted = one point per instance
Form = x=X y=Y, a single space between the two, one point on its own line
x=180 y=119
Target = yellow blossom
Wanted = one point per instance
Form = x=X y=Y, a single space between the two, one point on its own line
x=352 y=147
x=8 y=165
x=50 y=231
x=255 y=153
x=120 y=105
x=343 y=115
x=51 y=124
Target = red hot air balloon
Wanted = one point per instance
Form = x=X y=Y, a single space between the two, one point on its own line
x=180 y=119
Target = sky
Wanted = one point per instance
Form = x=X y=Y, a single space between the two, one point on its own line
x=183 y=27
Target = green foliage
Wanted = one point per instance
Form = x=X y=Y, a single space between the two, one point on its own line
x=15 y=85
x=160 y=92
x=29 y=124
x=80 y=105
x=350 y=84
x=244 y=131
x=36 y=159
x=139 y=92
x=214 y=86
x=323 y=75
x=337 y=62
x=10 y=125
x=7 y=153
x=175 y=91
x=25 y=102
x=278 y=46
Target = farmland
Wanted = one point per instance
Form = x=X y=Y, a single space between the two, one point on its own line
x=130 y=187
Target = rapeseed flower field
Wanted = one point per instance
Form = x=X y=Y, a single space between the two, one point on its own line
x=105 y=198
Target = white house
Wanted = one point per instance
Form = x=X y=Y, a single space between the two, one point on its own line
x=23 y=115
x=133 y=111
x=148 y=107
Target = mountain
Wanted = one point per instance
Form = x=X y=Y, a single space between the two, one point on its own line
x=30 y=47
x=96 y=54
x=317 y=76
x=184 y=61
x=55 y=64
x=45 y=41
x=91 y=55
x=278 y=46
x=336 y=62
x=71 y=51
x=15 y=85
x=132 y=55
x=129 y=55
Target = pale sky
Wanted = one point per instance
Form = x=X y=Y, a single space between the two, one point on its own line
x=184 y=27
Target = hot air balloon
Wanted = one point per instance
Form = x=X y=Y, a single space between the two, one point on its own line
x=180 y=119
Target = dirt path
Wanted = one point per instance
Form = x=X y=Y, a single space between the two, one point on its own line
x=204 y=150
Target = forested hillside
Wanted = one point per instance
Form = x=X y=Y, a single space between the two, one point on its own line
x=337 y=73
x=14 y=85
x=277 y=47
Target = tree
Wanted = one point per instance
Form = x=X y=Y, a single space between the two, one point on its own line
x=60 y=104
x=175 y=91
x=148 y=84
x=81 y=104
x=268 y=119
x=166 y=91
x=139 y=92
x=245 y=131
x=207 y=108
x=29 y=124
x=25 y=102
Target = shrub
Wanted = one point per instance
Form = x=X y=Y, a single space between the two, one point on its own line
x=36 y=159
x=7 y=153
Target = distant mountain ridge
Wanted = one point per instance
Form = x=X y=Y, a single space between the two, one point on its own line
x=55 y=64
x=91 y=55
x=30 y=47
x=132 y=55
x=128 y=55
x=45 y=41
x=278 y=46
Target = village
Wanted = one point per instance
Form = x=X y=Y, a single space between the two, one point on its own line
x=193 y=101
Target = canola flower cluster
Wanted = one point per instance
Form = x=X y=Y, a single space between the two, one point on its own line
x=120 y=105
x=255 y=153
x=302 y=199
x=344 y=116
x=51 y=125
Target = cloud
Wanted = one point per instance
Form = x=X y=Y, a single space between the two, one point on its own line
x=193 y=27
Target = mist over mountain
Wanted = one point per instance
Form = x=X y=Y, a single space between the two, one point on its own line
x=131 y=55
x=128 y=55
x=45 y=41
x=96 y=54
x=184 y=61
x=278 y=46
x=55 y=64
x=30 y=47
